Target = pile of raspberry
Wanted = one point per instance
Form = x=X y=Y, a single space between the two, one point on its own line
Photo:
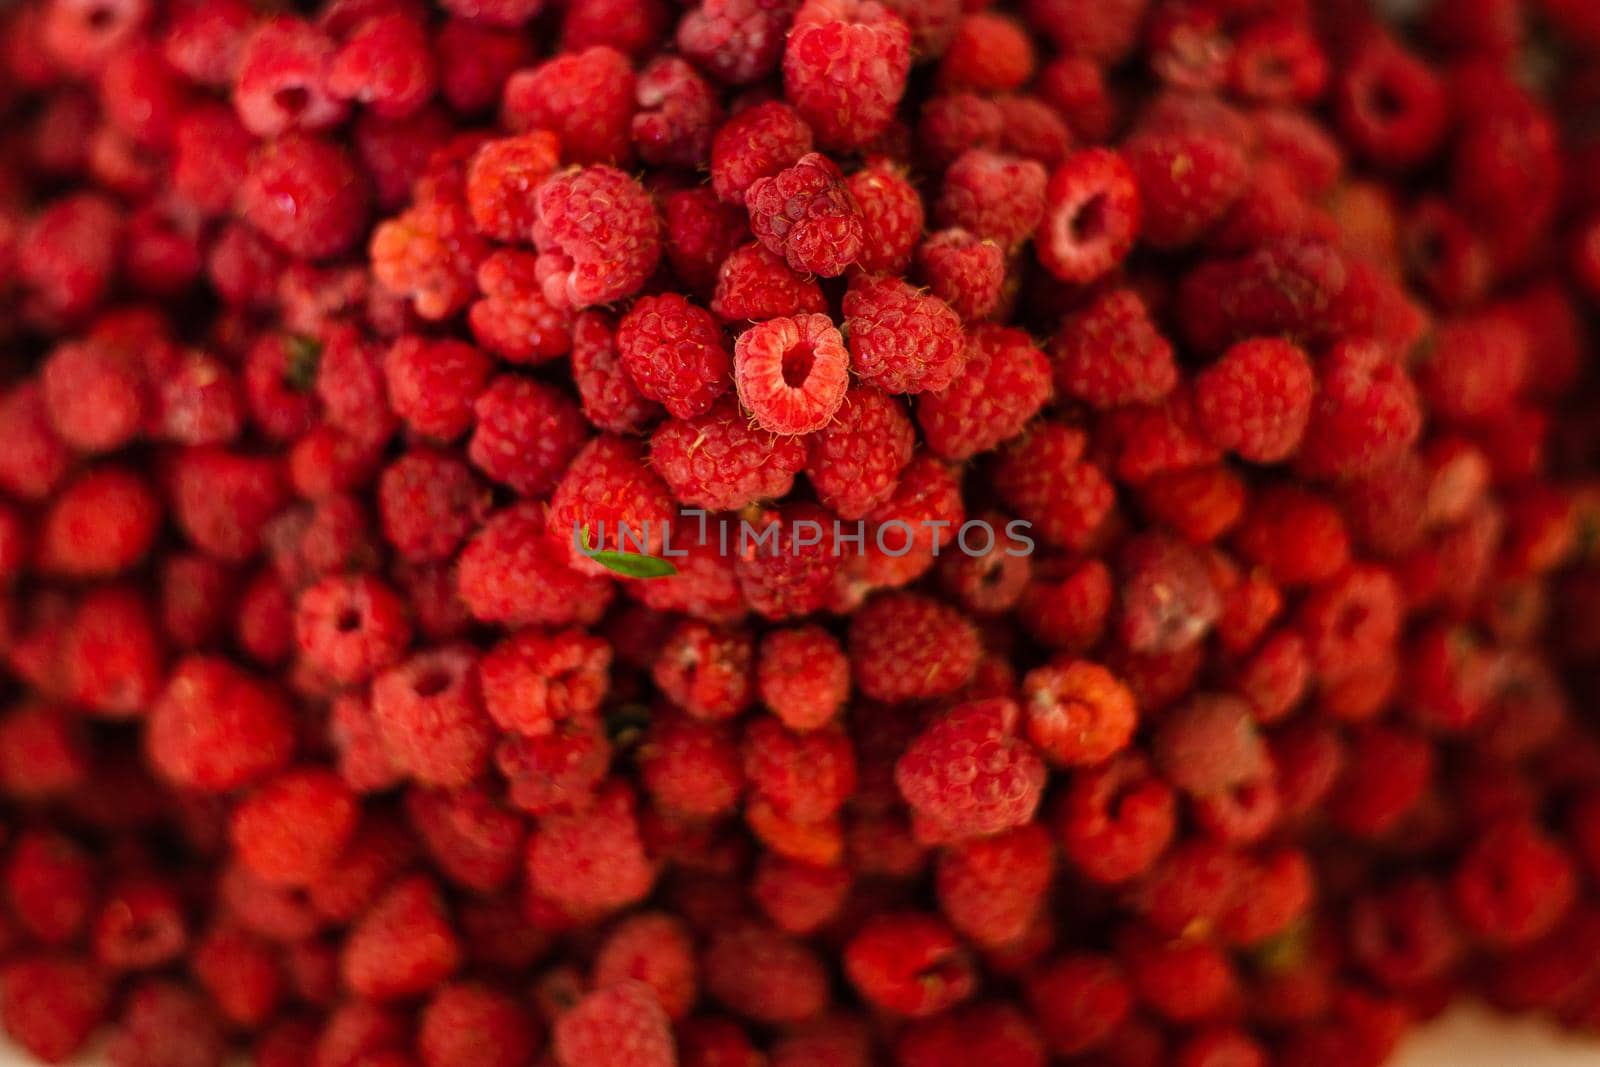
x=1204 y=391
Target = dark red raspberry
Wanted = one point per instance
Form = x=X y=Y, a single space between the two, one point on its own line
x=215 y=728
x=282 y=80
x=512 y=572
x=807 y=214
x=1044 y=477
x=598 y=237
x=1186 y=183
x=403 y=945
x=690 y=767
x=844 y=69
x=292 y=829
x=594 y=862
x=1391 y=106
x=799 y=898
x=533 y=681
x=164 y=1021
x=997 y=197
x=306 y=194
x=585 y=98
x=675 y=353
x=94 y=394
x=891 y=218
x=1094 y=208
x=609 y=398
x=763 y=975
x=905 y=646
x=736 y=41
x=102 y=523
x=1079 y=1001
x=1005 y=382
x=526 y=433
x=991 y=889
x=350 y=628
x=433 y=384
x=989 y=53
x=700 y=233
x=1514 y=884
x=472 y=1022
x=902 y=340
x=609 y=491
x=554 y=773
x=755 y=284
x=678 y=113
x=33 y=459
x=791 y=373
x=1256 y=400
x=855 y=461
x=386 y=66
x=952 y=123
x=803 y=676
x=719 y=462
x=50 y=1004
x=968 y=775
x=654 y=948
x=635 y=27
x=964 y=271
x=909 y=964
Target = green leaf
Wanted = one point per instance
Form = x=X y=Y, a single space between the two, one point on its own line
x=305 y=353
x=628 y=564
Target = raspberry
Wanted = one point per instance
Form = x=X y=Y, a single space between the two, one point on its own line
x=1078 y=712
x=996 y=197
x=215 y=728
x=282 y=80
x=165 y=1022
x=403 y=945
x=992 y=888
x=952 y=123
x=803 y=676
x=964 y=271
x=706 y=670
x=987 y=52
x=512 y=573
x=799 y=898
x=805 y=777
x=351 y=628
x=690 y=768
x=526 y=433
x=1404 y=934
x=1043 y=477
x=1005 y=382
x=597 y=234
x=1292 y=286
x=432 y=384
x=429 y=715
x=1032 y=129
x=294 y=827
x=50 y=1004
x=763 y=975
x=1186 y=183
x=844 y=69
x=1390 y=105
x=593 y=862
x=585 y=98
x=631 y=26
x=946 y=783
x=719 y=462
x=429 y=501
x=501 y=181
x=806 y=213
x=678 y=112
x=307 y=195
x=675 y=354
x=736 y=41
x=552 y=773
x=95 y=396
x=473 y=840
x=1513 y=885
x=429 y=254
x=891 y=218
x=1079 y=1001
x=909 y=964
x=902 y=340
x=791 y=373
x=33 y=460
x=755 y=284
x=532 y=681
x=653 y=948
x=610 y=491
x=1475 y=368
x=1385 y=774
x=607 y=394
x=101 y=524
x=1256 y=399
x=386 y=66
x=468 y=1023
x=700 y=233
x=854 y=462
x=1094 y=207
x=905 y=646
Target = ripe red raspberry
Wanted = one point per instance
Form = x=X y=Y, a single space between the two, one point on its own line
x=1391 y=106
x=608 y=396
x=307 y=195
x=598 y=237
x=1293 y=286
x=1034 y=130
x=992 y=888
x=902 y=340
x=364 y=763
x=385 y=65
x=678 y=112
x=906 y=646
x=1210 y=746
x=512 y=573
x=700 y=232
x=654 y=948
x=854 y=462
x=610 y=490
x=348 y=629
x=1299 y=537
x=1079 y=1000
x=469 y=835
x=1514 y=884
x=799 y=898
x=554 y=773
x=755 y=284
x=791 y=373
x=968 y=775
x=635 y=27
x=689 y=767
x=990 y=1032
x=1044 y=478
x=594 y=862
x=675 y=353
x=1169 y=598
x=502 y=178
x=1475 y=366
x=432 y=384
x=988 y=53
x=805 y=777
x=468 y=1023
x=292 y=829
x=585 y=98
x=429 y=501
x=50 y=1004
x=952 y=123
x=103 y=523
x=404 y=944
x=736 y=41
x=215 y=728
x=1005 y=382
x=997 y=197
x=429 y=713
x=533 y=681
x=282 y=79
x=909 y=964
x=165 y=1021
x=1093 y=210
x=67 y=256
x=1186 y=183
x=1404 y=934
x=1351 y=621
x=763 y=975
x=720 y=462
x=964 y=271
x=844 y=69
x=891 y=218
x=1078 y=712
x=706 y=585
x=94 y=394
x=526 y=433
x=806 y=214
x=33 y=459
x=1256 y=399
x=706 y=670
x=803 y=676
